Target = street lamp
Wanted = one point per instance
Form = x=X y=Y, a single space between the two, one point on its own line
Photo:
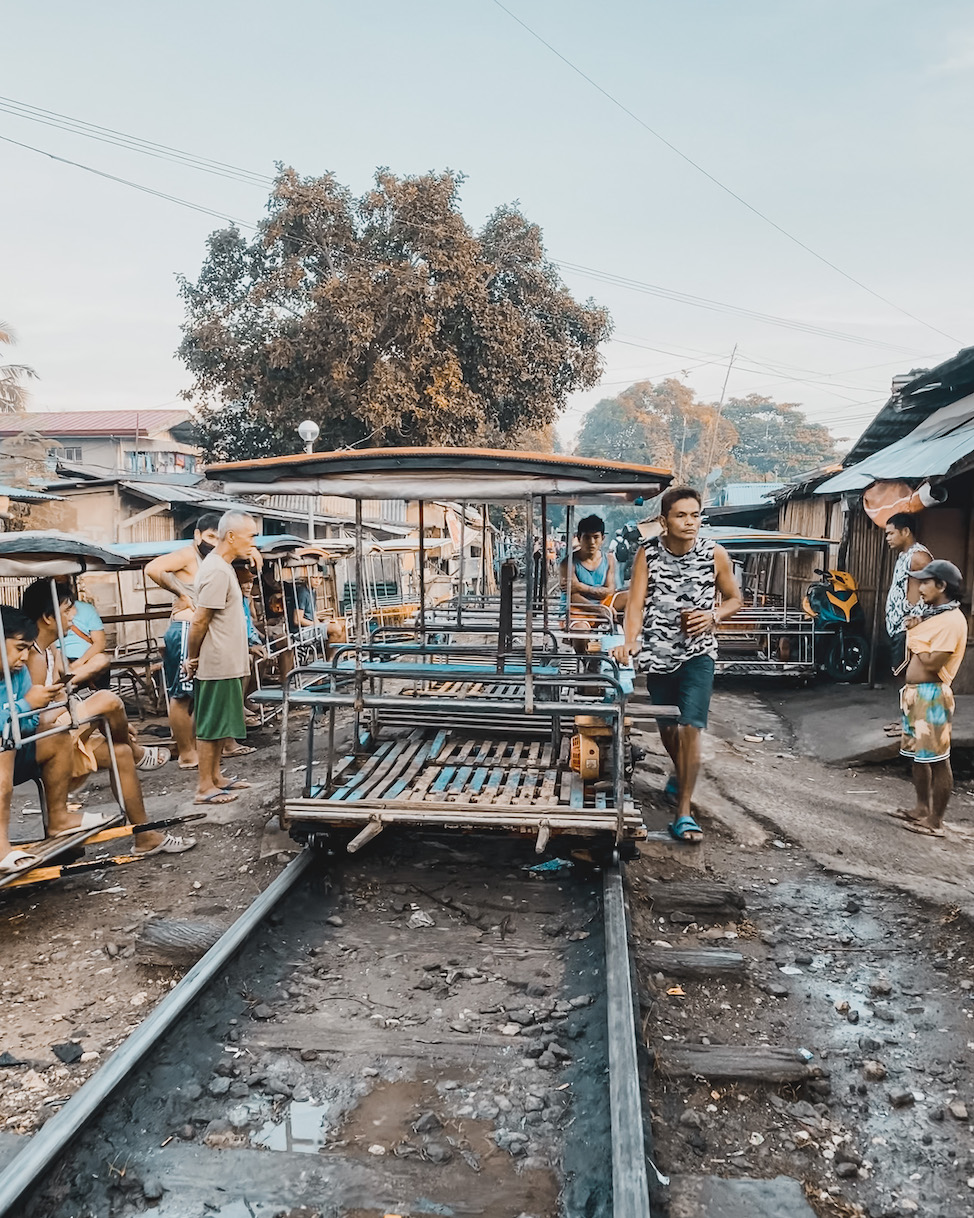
x=309 y=431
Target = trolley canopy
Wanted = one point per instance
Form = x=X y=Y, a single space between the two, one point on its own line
x=137 y=553
x=34 y=554
x=461 y=474
x=758 y=540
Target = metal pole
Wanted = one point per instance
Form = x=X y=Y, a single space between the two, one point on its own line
x=461 y=572
x=483 y=555
x=422 y=571
x=630 y=1188
x=544 y=560
x=45 y=1147
x=312 y=499
x=529 y=598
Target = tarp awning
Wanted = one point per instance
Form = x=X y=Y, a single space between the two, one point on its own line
x=753 y=540
x=462 y=474
x=33 y=554
x=930 y=450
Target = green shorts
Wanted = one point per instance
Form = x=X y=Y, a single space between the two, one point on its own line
x=220 y=710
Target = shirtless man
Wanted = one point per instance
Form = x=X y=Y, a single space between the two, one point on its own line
x=176 y=573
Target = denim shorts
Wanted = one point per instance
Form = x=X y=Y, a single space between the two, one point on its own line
x=689 y=687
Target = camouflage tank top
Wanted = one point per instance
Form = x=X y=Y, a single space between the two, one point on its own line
x=676 y=582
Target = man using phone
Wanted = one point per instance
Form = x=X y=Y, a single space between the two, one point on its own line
x=47 y=610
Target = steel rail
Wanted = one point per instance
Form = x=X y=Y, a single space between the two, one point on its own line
x=630 y=1185
x=45 y=1147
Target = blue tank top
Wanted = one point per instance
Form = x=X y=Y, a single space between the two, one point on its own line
x=594 y=579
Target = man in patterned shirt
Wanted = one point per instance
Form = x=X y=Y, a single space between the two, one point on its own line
x=671 y=617
x=903 y=602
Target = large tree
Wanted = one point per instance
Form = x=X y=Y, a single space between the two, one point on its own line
x=13 y=391
x=752 y=438
x=660 y=424
x=385 y=319
x=775 y=440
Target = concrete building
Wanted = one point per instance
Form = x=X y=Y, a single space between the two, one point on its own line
x=105 y=441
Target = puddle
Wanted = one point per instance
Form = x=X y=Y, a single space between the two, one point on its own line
x=303 y=1129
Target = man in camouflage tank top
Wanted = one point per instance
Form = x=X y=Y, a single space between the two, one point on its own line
x=671 y=616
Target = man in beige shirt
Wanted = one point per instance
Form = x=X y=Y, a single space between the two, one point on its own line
x=218 y=656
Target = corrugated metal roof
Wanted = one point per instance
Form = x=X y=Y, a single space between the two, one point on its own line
x=20 y=495
x=930 y=450
x=928 y=392
x=93 y=422
x=739 y=494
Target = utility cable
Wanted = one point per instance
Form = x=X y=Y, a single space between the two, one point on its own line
x=177 y=156
x=159 y=194
x=133 y=143
x=715 y=180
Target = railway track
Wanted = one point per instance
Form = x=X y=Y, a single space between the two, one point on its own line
x=431 y=1029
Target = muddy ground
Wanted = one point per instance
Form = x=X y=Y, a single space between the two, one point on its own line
x=858 y=949
x=842 y=907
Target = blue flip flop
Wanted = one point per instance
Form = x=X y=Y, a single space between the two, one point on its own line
x=682 y=826
x=671 y=792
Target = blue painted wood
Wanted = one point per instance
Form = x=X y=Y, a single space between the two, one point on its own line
x=444 y=778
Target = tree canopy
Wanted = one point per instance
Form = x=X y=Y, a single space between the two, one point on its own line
x=754 y=438
x=383 y=318
x=13 y=391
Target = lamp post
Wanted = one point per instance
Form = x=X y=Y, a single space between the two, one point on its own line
x=309 y=432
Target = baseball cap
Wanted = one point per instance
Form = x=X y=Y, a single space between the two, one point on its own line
x=943 y=571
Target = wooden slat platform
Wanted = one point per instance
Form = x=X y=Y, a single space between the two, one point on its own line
x=448 y=768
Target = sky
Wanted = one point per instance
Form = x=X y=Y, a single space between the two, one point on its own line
x=840 y=121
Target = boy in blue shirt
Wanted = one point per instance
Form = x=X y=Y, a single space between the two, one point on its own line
x=47 y=758
x=84 y=646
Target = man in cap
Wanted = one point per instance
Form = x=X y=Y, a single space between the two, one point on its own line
x=935 y=647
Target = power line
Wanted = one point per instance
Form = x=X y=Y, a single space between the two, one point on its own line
x=133 y=143
x=166 y=152
x=718 y=306
x=716 y=181
x=149 y=190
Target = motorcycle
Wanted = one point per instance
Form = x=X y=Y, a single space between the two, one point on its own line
x=842 y=650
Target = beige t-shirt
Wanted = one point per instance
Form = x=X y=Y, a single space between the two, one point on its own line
x=223 y=653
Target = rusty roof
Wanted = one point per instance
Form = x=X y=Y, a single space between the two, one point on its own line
x=93 y=422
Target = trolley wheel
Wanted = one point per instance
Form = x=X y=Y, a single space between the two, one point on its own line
x=847 y=658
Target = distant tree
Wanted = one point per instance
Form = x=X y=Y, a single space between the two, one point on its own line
x=385 y=319
x=659 y=424
x=13 y=392
x=775 y=440
x=755 y=438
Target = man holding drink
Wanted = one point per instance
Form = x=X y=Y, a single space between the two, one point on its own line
x=671 y=618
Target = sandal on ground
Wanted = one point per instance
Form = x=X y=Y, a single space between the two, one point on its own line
x=671 y=792
x=217 y=797
x=89 y=821
x=236 y=784
x=192 y=765
x=170 y=844
x=902 y=814
x=153 y=757
x=243 y=751
x=252 y=721
x=17 y=860
x=915 y=826
x=682 y=827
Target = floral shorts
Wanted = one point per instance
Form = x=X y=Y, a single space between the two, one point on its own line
x=926 y=711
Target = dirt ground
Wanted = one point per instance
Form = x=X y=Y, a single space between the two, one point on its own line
x=858 y=950
x=856 y=933
x=69 y=972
